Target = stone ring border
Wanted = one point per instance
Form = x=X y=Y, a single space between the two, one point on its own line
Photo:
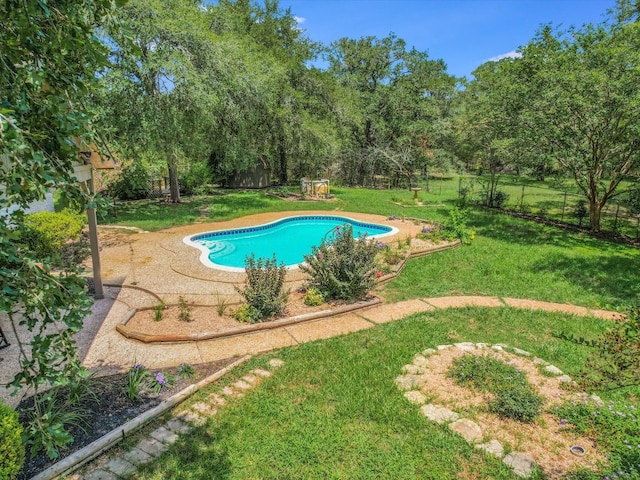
x=521 y=463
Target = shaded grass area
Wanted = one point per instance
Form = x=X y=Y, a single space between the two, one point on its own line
x=333 y=410
x=153 y=214
x=512 y=257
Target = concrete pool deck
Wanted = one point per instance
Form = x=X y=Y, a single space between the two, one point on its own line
x=140 y=269
x=161 y=263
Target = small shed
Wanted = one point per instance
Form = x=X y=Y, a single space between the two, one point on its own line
x=256 y=176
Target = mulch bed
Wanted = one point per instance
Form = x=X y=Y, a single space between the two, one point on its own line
x=108 y=410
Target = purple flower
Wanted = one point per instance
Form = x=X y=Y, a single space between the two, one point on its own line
x=161 y=379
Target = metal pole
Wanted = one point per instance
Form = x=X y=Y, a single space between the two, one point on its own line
x=522 y=199
x=564 y=204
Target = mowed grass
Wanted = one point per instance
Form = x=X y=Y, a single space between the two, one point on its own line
x=514 y=258
x=333 y=410
x=509 y=256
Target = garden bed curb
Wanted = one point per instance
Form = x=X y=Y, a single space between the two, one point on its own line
x=145 y=338
x=91 y=451
x=130 y=334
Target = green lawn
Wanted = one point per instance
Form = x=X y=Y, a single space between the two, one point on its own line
x=333 y=411
x=516 y=258
x=509 y=257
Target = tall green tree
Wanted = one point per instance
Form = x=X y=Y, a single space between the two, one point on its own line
x=159 y=97
x=392 y=100
x=296 y=119
x=583 y=104
x=49 y=56
x=487 y=124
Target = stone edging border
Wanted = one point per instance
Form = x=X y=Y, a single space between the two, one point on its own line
x=91 y=451
x=142 y=337
x=409 y=382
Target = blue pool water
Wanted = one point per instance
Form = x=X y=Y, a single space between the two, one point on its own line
x=289 y=239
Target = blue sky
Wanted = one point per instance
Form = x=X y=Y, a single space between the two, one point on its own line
x=464 y=33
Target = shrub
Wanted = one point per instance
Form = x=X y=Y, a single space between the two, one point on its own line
x=499 y=199
x=520 y=404
x=247 y=314
x=158 y=311
x=343 y=269
x=580 y=211
x=184 y=310
x=455 y=227
x=133 y=183
x=264 y=289
x=49 y=233
x=616 y=359
x=11 y=446
x=136 y=378
x=392 y=257
x=313 y=297
x=196 y=179
x=514 y=396
x=186 y=370
x=160 y=381
x=50 y=422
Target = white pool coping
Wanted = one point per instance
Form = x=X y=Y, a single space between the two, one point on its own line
x=204 y=251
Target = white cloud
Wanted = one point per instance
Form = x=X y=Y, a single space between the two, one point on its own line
x=511 y=54
x=299 y=19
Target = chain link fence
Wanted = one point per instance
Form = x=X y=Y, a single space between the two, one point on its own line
x=561 y=205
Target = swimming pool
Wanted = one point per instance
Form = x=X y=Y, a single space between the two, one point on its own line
x=289 y=239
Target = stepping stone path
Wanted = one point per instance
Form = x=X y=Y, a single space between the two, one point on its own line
x=159 y=440
x=411 y=381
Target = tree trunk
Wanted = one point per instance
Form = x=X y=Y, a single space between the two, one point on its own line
x=595 y=210
x=174 y=187
x=282 y=154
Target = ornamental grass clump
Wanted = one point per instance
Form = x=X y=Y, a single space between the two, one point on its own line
x=343 y=269
x=513 y=395
x=264 y=288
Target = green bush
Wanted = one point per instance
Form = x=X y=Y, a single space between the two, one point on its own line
x=500 y=199
x=264 y=286
x=196 y=180
x=514 y=395
x=11 y=446
x=133 y=183
x=455 y=227
x=615 y=362
x=580 y=211
x=247 y=314
x=313 y=297
x=49 y=233
x=343 y=269
x=520 y=404
x=50 y=424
